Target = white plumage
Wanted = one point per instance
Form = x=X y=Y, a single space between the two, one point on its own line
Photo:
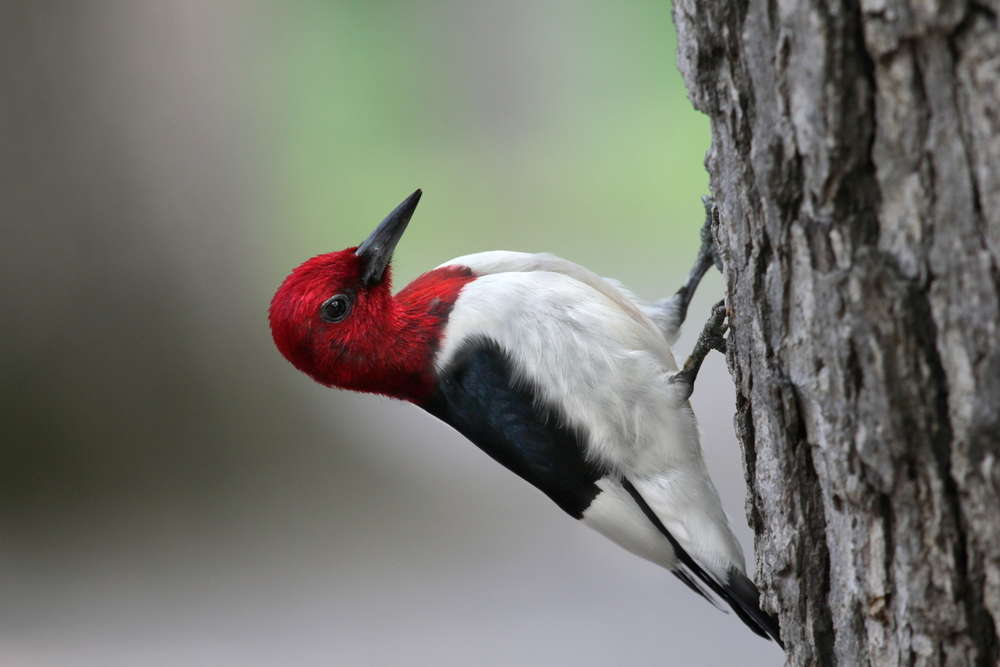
x=586 y=346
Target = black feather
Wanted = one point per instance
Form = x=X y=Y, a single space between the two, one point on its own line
x=741 y=593
x=478 y=395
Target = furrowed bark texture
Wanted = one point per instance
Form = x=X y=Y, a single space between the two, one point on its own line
x=855 y=161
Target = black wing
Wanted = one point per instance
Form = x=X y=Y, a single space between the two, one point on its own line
x=479 y=397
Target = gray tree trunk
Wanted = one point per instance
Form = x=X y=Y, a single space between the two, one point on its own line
x=855 y=160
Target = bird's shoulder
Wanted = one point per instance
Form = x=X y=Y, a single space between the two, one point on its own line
x=538 y=305
x=545 y=266
x=526 y=297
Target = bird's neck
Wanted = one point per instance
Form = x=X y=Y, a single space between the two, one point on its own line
x=402 y=347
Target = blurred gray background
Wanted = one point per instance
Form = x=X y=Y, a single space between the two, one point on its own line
x=171 y=491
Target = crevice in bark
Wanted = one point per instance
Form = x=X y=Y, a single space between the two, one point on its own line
x=815 y=559
x=888 y=526
x=813 y=556
x=743 y=422
x=968 y=574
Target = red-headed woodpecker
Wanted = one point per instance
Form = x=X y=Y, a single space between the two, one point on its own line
x=556 y=373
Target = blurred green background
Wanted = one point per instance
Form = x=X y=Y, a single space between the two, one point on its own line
x=561 y=127
x=171 y=491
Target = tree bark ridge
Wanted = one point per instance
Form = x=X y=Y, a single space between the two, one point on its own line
x=855 y=162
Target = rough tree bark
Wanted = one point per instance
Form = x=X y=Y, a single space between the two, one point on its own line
x=855 y=161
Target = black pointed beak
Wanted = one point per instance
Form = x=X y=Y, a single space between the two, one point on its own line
x=377 y=249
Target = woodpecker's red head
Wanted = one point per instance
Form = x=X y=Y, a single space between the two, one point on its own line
x=335 y=319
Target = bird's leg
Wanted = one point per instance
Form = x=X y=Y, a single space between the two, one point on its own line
x=712 y=337
x=707 y=256
x=674 y=309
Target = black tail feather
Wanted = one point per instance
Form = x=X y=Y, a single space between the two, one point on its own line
x=744 y=598
x=741 y=593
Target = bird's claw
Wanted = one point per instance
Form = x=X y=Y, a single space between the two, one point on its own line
x=712 y=337
x=707 y=257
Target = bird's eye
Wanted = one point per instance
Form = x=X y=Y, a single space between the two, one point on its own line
x=335 y=309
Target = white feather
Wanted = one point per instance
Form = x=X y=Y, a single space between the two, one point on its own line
x=587 y=347
x=666 y=314
x=615 y=514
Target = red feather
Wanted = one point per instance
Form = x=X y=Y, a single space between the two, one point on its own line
x=386 y=345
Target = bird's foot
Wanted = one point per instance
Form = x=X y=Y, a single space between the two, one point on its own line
x=675 y=307
x=712 y=337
